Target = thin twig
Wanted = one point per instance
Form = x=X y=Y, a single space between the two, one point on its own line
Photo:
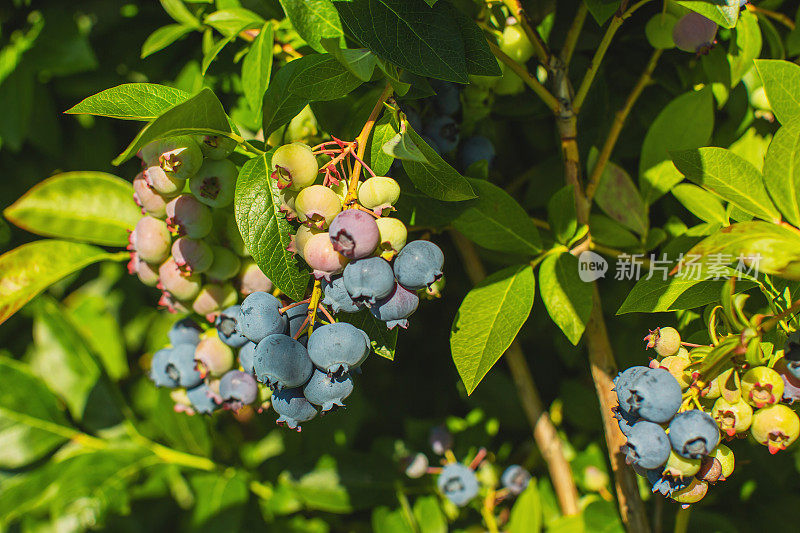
x=618 y=124
x=780 y=17
x=540 y=90
x=572 y=35
x=544 y=432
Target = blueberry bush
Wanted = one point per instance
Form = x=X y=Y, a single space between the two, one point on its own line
x=336 y=215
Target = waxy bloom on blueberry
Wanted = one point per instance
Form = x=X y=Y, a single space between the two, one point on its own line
x=158 y=369
x=458 y=483
x=337 y=297
x=292 y=407
x=396 y=308
x=247 y=355
x=181 y=367
x=328 y=391
x=227 y=325
x=260 y=316
x=418 y=265
x=237 y=389
x=338 y=347
x=202 y=399
x=647 y=445
x=515 y=479
x=184 y=331
x=282 y=362
x=693 y=434
x=369 y=280
x=694 y=33
x=653 y=395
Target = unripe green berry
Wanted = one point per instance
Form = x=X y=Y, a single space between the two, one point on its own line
x=724 y=455
x=681 y=467
x=163 y=183
x=213 y=298
x=288 y=199
x=189 y=217
x=215 y=183
x=762 y=386
x=192 y=255
x=379 y=193
x=301 y=237
x=676 y=365
x=759 y=100
x=317 y=206
x=595 y=479
x=665 y=341
x=393 y=235
x=147 y=273
x=732 y=418
x=509 y=84
x=659 y=31
x=515 y=43
x=776 y=427
x=295 y=166
x=226 y=264
x=695 y=492
x=216 y=146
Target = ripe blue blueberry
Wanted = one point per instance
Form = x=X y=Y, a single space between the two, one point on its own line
x=458 y=483
x=295 y=317
x=337 y=297
x=446 y=101
x=292 y=407
x=623 y=381
x=227 y=324
x=202 y=399
x=625 y=420
x=396 y=308
x=158 y=369
x=184 y=331
x=654 y=395
x=181 y=366
x=666 y=485
x=260 y=316
x=282 y=362
x=368 y=280
x=515 y=479
x=328 y=391
x=418 y=265
x=247 y=355
x=693 y=434
x=647 y=446
x=475 y=149
x=338 y=347
x=444 y=131
x=237 y=389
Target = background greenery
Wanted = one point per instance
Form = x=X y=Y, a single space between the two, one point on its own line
x=341 y=473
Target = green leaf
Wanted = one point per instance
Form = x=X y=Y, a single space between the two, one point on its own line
x=782 y=170
x=567 y=299
x=97 y=321
x=602 y=517
x=437 y=179
x=230 y=21
x=383 y=339
x=179 y=13
x=380 y=161
x=602 y=10
x=723 y=12
x=619 y=198
x=675 y=293
x=31 y=422
x=489 y=319
x=92 y=207
x=214 y=51
x=186 y=433
x=163 y=37
x=385 y=520
x=728 y=176
x=526 y=515
x=257 y=67
x=782 y=84
x=752 y=146
x=611 y=233
x=131 y=101
x=221 y=500
x=429 y=515
x=496 y=221
x=701 y=203
x=29 y=269
x=402 y=147
x=745 y=46
x=480 y=59
x=323 y=78
x=775 y=249
x=561 y=214
x=421 y=39
x=202 y=113
x=314 y=21
x=360 y=62
x=280 y=105
x=264 y=228
x=687 y=122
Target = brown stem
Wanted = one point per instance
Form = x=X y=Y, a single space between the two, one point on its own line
x=539 y=46
x=540 y=90
x=619 y=122
x=544 y=432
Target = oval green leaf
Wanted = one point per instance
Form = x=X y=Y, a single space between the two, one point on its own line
x=130 y=101
x=566 y=297
x=782 y=84
x=92 y=207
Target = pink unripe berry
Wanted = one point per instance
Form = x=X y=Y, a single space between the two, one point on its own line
x=776 y=427
x=150 y=239
x=215 y=183
x=187 y=216
x=295 y=166
x=213 y=356
x=172 y=304
x=354 y=234
x=317 y=206
x=146 y=272
x=761 y=386
x=694 y=33
x=192 y=256
x=213 y=298
x=179 y=285
x=251 y=279
x=147 y=198
x=161 y=182
x=379 y=193
x=393 y=236
x=300 y=239
x=322 y=258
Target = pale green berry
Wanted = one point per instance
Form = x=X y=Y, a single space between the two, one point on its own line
x=676 y=365
x=317 y=206
x=516 y=44
x=724 y=455
x=393 y=235
x=216 y=146
x=251 y=279
x=762 y=386
x=215 y=183
x=226 y=264
x=665 y=341
x=659 y=31
x=379 y=193
x=213 y=298
x=295 y=166
x=732 y=418
x=299 y=239
x=695 y=492
x=681 y=467
x=776 y=427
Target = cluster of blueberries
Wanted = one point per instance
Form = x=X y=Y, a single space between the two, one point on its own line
x=285 y=356
x=187 y=243
x=458 y=481
x=683 y=460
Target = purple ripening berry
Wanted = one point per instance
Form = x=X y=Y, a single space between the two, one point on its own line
x=354 y=234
